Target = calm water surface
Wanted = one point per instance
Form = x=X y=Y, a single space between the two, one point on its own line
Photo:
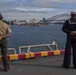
x=32 y=35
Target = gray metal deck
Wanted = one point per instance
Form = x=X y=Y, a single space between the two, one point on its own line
x=38 y=66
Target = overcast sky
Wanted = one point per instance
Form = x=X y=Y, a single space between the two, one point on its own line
x=27 y=9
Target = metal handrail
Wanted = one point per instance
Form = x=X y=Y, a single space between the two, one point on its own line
x=14 y=50
x=30 y=46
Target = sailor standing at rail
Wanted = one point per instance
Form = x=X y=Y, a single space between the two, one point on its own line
x=5 y=32
x=69 y=27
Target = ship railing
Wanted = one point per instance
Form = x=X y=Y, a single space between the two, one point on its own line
x=10 y=51
x=54 y=43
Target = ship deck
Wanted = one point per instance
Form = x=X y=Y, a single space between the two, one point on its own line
x=38 y=66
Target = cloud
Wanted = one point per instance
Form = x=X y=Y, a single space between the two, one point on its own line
x=39 y=3
x=29 y=13
x=53 y=1
x=6 y=4
x=6 y=0
x=35 y=8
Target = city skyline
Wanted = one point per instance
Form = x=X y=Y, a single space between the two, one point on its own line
x=28 y=9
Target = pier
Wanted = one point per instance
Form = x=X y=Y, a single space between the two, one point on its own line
x=39 y=66
x=37 y=63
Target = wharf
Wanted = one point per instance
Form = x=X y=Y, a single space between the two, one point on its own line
x=38 y=66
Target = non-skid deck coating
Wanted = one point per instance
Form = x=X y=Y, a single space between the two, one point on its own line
x=38 y=66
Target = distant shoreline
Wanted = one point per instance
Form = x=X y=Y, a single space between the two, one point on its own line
x=29 y=25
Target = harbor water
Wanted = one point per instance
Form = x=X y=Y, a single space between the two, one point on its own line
x=34 y=35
